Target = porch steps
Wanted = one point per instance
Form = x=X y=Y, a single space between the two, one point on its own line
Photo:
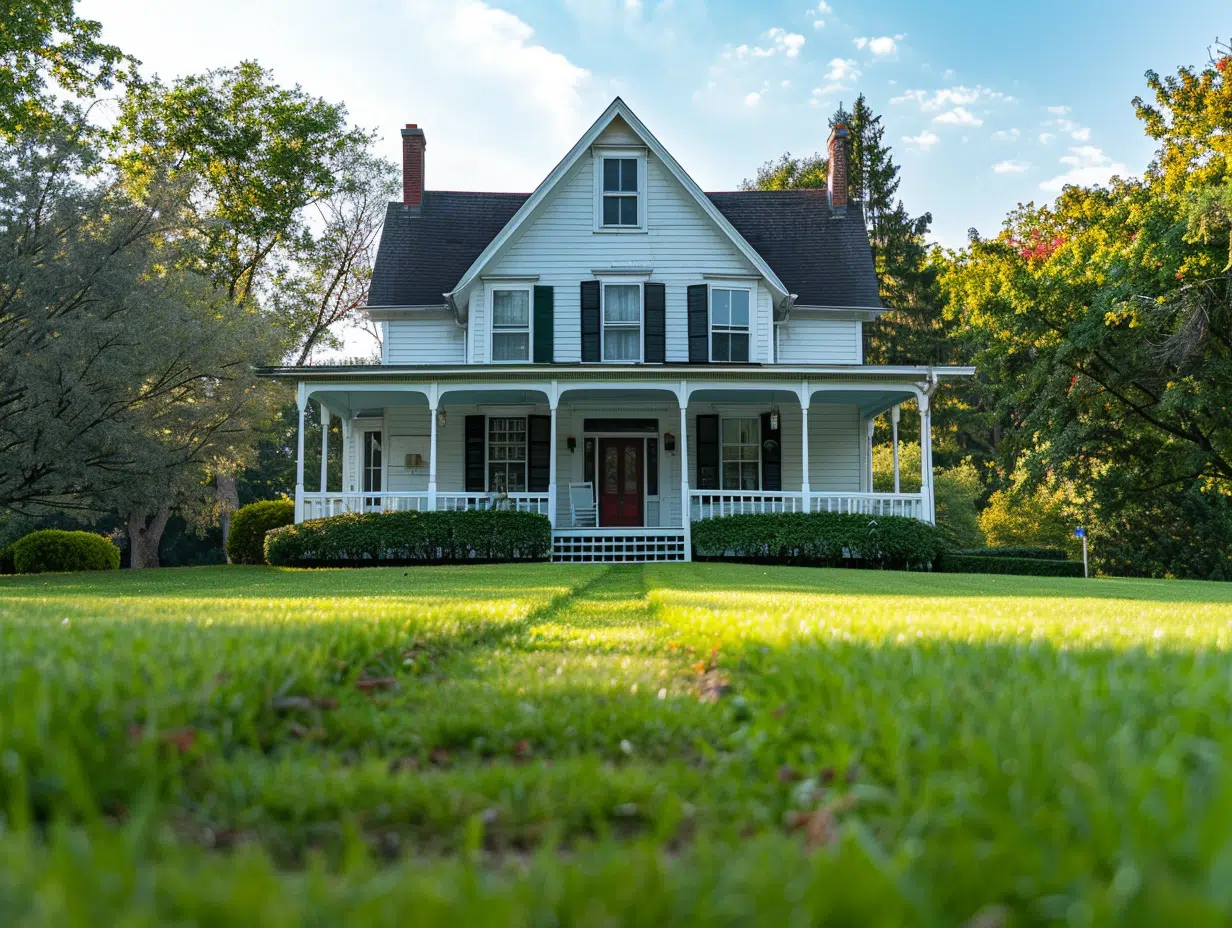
x=617 y=546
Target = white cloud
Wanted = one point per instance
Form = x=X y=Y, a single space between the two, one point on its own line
x=1087 y=165
x=1058 y=110
x=825 y=93
x=633 y=6
x=959 y=116
x=843 y=69
x=952 y=96
x=822 y=9
x=881 y=47
x=781 y=41
x=924 y=141
x=1011 y=167
x=784 y=84
x=947 y=74
x=750 y=99
x=1005 y=135
x=1081 y=135
x=819 y=24
x=1046 y=137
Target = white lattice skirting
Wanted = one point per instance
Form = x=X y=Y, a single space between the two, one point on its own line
x=618 y=546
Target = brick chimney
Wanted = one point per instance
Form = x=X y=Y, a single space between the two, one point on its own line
x=413 y=145
x=836 y=180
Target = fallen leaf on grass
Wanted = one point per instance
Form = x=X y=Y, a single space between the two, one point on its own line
x=820 y=827
x=991 y=916
x=289 y=703
x=788 y=774
x=712 y=685
x=371 y=684
x=406 y=764
x=440 y=757
x=315 y=733
x=521 y=750
x=181 y=738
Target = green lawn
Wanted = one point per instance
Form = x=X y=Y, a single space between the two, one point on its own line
x=668 y=744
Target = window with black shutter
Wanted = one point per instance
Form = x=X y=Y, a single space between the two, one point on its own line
x=707 y=452
x=539 y=453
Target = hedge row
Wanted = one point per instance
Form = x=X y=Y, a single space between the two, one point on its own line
x=958 y=563
x=1039 y=554
x=54 y=550
x=819 y=539
x=411 y=538
x=246 y=538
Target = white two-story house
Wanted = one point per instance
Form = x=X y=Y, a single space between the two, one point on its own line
x=621 y=338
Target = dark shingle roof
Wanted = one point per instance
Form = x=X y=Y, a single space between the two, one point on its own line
x=425 y=250
x=825 y=261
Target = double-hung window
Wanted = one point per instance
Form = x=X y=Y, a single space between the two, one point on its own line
x=620 y=193
x=741 y=454
x=511 y=324
x=507 y=454
x=622 y=322
x=729 y=325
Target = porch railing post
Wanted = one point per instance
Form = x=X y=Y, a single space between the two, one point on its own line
x=553 y=402
x=301 y=402
x=433 y=403
x=686 y=505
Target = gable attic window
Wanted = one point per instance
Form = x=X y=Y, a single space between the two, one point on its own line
x=511 y=324
x=620 y=183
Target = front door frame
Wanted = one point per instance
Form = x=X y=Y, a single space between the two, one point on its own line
x=644 y=437
x=599 y=440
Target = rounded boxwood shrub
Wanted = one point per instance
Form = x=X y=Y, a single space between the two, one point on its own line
x=822 y=539
x=53 y=549
x=246 y=540
x=365 y=539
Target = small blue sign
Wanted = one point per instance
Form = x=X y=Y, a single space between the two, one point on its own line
x=1080 y=532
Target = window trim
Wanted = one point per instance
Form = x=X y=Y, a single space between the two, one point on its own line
x=711 y=286
x=617 y=152
x=487 y=450
x=641 y=318
x=761 y=477
x=529 y=290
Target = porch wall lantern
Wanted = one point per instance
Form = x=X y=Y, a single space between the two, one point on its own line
x=440 y=418
x=774 y=419
x=669 y=442
x=571 y=443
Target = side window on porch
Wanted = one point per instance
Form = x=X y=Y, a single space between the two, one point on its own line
x=372 y=463
x=741 y=454
x=507 y=455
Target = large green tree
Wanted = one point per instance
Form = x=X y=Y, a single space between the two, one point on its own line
x=1105 y=319
x=46 y=48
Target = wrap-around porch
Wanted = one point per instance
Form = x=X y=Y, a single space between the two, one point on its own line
x=650 y=457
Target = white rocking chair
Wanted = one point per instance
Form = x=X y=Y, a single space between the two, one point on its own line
x=582 y=510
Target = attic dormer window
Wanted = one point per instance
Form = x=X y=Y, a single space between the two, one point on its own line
x=620 y=190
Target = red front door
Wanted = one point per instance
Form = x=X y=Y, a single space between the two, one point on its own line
x=620 y=481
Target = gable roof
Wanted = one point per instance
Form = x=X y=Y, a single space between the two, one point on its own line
x=425 y=250
x=617 y=108
x=825 y=260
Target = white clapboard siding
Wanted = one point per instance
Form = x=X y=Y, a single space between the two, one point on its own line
x=425 y=338
x=806 y=340
x=561 y=247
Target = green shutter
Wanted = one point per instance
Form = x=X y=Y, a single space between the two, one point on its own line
x=545 y=326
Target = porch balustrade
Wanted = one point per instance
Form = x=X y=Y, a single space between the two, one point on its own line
x=324 y=505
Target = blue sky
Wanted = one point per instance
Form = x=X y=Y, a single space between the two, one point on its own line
x=986 y=103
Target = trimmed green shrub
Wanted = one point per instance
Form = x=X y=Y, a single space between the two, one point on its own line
x=996 y=564
x=6 y=560
x=53 y=549
x=246 y=540
x=819 y=539
x=1039 y=554
x=363 y=539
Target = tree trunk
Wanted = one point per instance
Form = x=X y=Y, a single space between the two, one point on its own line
x=145 y=532
x=229 y=501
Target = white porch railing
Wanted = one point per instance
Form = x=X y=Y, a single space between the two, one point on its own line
x=869 y=504
x=522 y=502
x=323 y=505
x=713 y=504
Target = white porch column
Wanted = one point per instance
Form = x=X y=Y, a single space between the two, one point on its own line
x=685 y=504
x=324 y=448
x=301 y=401
x=869 y=426
x=926 y=458
x=433 y=404
x=894 y=417
x=805 y=488
x=346 y=455
x=553 y=403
